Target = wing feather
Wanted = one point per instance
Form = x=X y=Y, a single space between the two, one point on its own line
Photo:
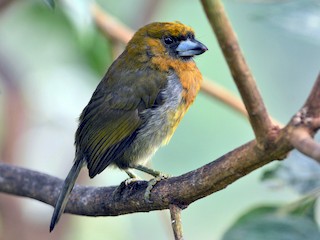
x=110 y=121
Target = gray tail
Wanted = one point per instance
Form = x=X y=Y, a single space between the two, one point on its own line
x=65 y=192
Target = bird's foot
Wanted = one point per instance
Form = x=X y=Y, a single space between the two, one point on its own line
x=128 y=181
x=118 y=192
x=132 y=178
x=151 y=184
x=158 y=176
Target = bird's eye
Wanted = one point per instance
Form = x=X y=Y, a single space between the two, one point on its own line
x=168 y=40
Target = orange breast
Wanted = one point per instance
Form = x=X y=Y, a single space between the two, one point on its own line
x=190 y=79
x=188 y=73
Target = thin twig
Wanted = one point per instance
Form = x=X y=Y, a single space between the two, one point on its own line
x=110 y=26
x=224 y=96
x=148 y=10
x=259 y=118
x=303 y=142
x=305 y=123
x=175 y=212
x=4 y=4
x=316 y=123
x=312 y=104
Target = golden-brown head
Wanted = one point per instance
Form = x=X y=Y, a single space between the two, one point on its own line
x=165 y=39
x=160 y=29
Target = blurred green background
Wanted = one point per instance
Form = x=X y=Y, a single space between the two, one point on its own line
x=52 y=59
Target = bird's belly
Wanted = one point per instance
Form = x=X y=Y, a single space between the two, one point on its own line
x=160 y=124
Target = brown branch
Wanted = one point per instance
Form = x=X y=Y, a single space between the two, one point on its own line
x=259 y=118
x=175 y=212
x=180 y=191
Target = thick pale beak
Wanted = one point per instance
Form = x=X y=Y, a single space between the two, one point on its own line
x=190 y=47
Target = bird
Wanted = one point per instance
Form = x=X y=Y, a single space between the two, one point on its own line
x=137 y=105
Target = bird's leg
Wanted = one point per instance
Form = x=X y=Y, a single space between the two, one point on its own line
x=158 y=176
x=150 y=171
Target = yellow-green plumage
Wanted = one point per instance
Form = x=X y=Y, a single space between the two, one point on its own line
x=101 y=140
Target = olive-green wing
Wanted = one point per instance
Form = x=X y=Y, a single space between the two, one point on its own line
x=110 y=121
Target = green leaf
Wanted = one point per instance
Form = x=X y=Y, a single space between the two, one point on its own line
x=92 y=47
x=298 y=171
x=276 y=223
x=303 y=207
x=96 y=51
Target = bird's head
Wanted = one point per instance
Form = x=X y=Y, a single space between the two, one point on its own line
x=166 y=39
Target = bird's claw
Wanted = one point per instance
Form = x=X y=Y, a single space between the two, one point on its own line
x=118 y=191
x=151 y=184
x=128 y=181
